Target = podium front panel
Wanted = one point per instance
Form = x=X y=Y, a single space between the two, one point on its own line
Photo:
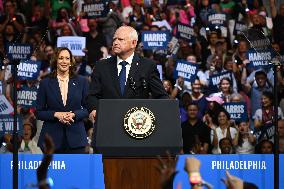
x=111 y=139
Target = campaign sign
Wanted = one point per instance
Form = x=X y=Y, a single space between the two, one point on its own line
x=254 y=168
x=215 y=79
x=217 y=19
x=7 y=124
x=97 y=9
x=185 y=32
x=239 y=28
x=28 y=70
x=155 y=40
x=66 y=171
x=185 y=69
x=237 y=111
x=265 y=132
x=281 y=170
x=5 y=106
x=74 y=43
x=26 y=96
x=257 y=39
x=18 y=51
x=259 y=59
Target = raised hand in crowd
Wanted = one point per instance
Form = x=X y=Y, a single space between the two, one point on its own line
x=167 y=169
x=192 y=167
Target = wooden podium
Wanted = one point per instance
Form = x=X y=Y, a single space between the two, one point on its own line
x=131 y=173
x=130 y=163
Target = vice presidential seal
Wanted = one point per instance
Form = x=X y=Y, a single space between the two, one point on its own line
x=139 y=122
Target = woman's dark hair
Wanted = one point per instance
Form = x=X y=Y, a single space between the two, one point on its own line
x=33 y=129
x=54 y=63
x=230 y=82
x=261 y=143
x=226 y=113
x=217 y=108
x=269 y=95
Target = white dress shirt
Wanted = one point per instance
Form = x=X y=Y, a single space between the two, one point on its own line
x=128 y=66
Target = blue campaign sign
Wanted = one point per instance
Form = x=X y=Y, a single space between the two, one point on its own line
x=155 y=40
x=28 y=70
x=97 y=9
x=185 y=69
x=185 y=32
x=7 y=124
x=214 y=79
x=254 y=168
x=281 y=170
x=67 y=171
x=26 y=96
x=18 y=51
x=260 y=58
x=237 y=111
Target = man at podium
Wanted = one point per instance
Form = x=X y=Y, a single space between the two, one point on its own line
x=125 y=75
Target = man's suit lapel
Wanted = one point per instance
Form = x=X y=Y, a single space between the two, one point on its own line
x=54 y=85
x=113 y=72
x=132 y=72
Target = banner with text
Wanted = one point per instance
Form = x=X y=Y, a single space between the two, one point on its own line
x=5 y=106
x=75 y=44
x=26 y=96
x=66 y=171
x=18 y=51
x=28 y=70
x=155 y=40
x=185 y=69
x=260 y=59
x=237 y=111
x=256 y=168
x=185 y=32
x=215 y=79
x=7 y=124
x=217 y=19
x=97 y=9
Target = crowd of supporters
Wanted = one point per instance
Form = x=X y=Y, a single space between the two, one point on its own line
x=206 y=124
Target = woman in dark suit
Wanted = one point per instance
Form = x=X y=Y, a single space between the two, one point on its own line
x=61 y=105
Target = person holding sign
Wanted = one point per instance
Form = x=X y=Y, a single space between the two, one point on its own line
x=125 y=75
x=61 y=105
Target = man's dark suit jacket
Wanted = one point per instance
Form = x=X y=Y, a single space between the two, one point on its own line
x=49 y=101
x=143 y=79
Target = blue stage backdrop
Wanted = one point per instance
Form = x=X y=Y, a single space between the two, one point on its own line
x=281 y=171
x=67 y=171
x=254 y=168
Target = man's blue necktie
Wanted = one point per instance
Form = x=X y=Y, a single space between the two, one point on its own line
x=122 y=76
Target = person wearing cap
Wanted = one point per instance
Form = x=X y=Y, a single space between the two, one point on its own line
x=214 y=107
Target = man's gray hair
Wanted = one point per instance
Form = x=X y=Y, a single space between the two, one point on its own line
x=133 y=34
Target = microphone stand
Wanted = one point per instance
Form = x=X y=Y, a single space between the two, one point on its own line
x=15 y=132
